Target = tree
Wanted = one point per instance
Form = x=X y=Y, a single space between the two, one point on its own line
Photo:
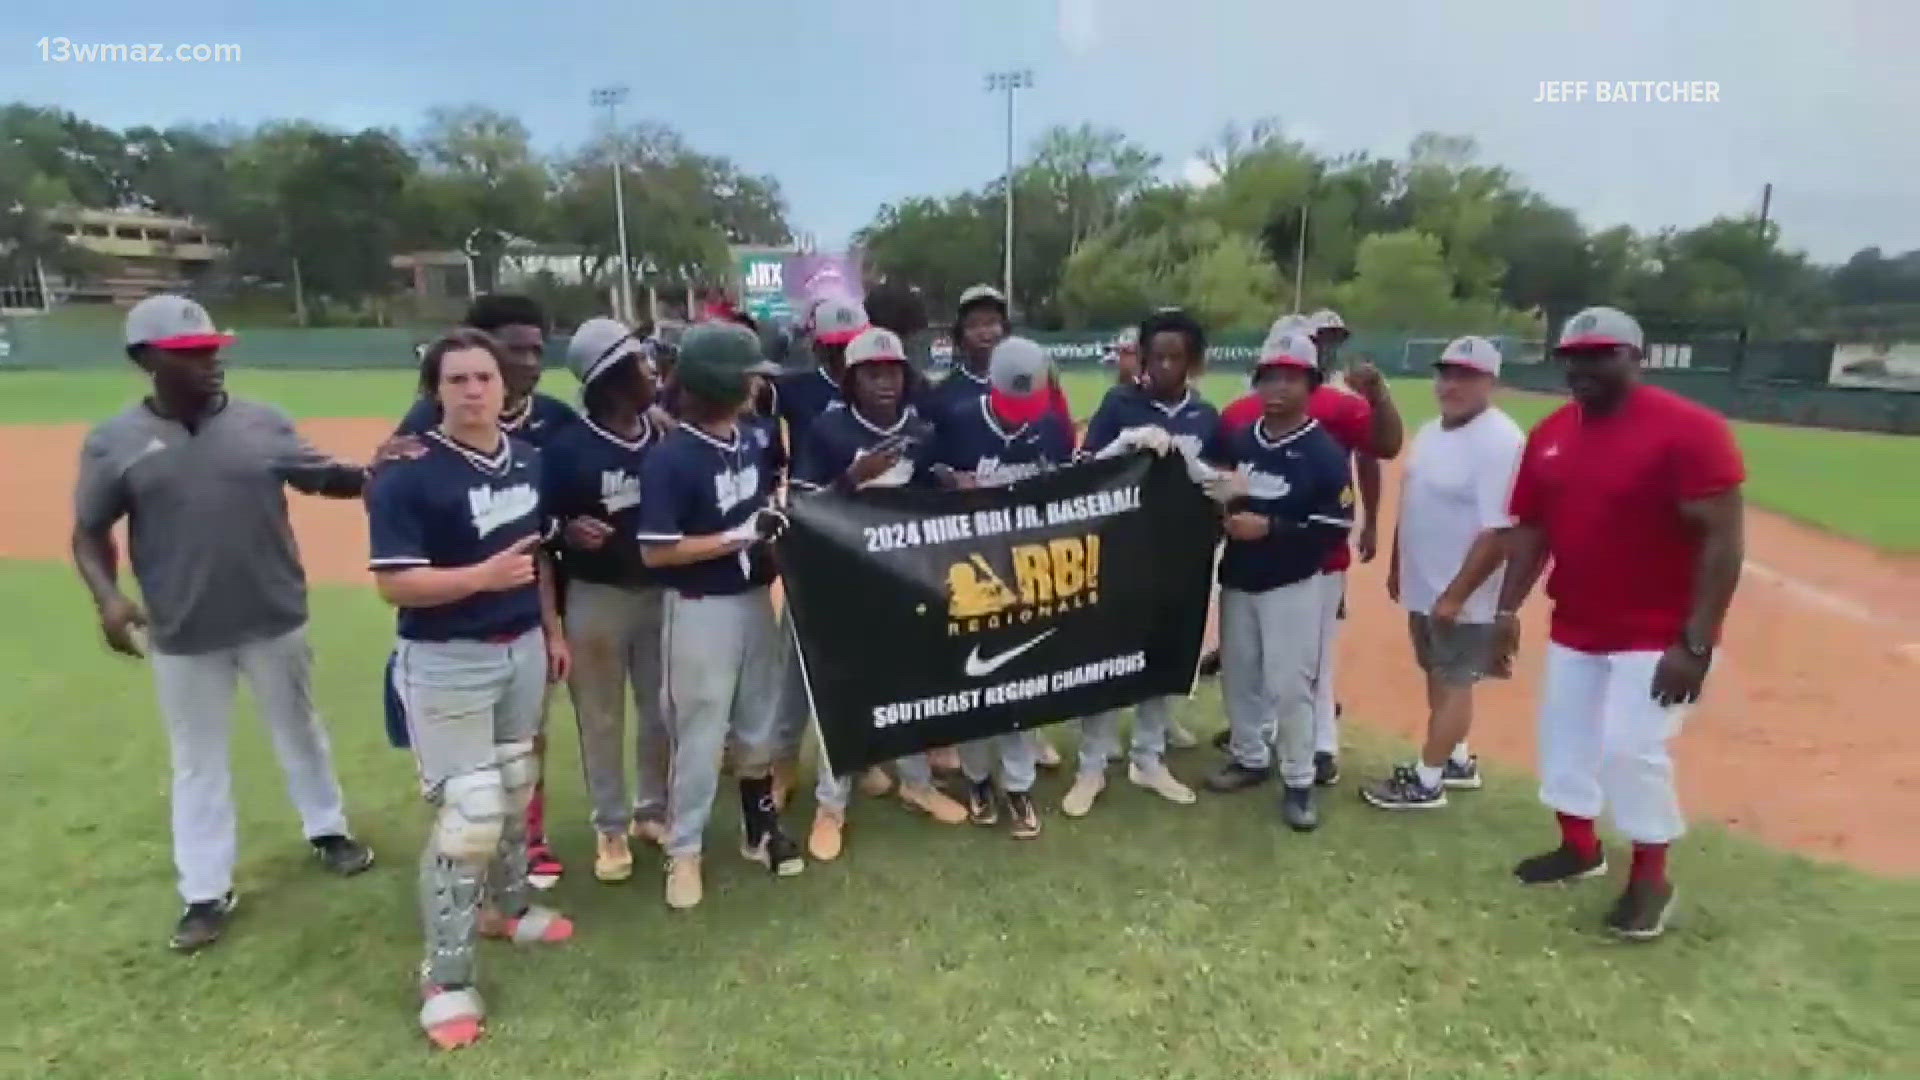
x=1086 y=176
x=88 y=160
x=939 y=246
x=480 y=184
x=180 y=171
x=342 y=201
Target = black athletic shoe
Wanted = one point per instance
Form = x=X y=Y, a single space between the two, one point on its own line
x=982 y=809
x=777 y=852
x=1234 y=776
x=1025 y=817
x=1461 y=777
x=1222 y=740
x=1404 y=791
x=1210 y=664
x=202 y=923
x=342 y=855
x=1562 y=864
x=1641 y=912
x=1297 y=809
x=1326 y=770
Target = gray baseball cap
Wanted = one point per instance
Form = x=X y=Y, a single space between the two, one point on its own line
x=167 y=321
x=597 y=345
x=1471 y=352
x=838 y=321
x=1599 y=328
x=1019 y=380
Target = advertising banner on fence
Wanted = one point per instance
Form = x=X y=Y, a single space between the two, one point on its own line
x=1882 y=365
x=928 y=618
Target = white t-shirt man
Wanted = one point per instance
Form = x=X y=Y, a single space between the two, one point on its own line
x=1456 y=487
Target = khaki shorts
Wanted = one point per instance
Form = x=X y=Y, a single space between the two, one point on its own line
x=1457 y=655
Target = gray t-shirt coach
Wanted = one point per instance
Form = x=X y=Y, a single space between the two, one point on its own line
x=207 y=519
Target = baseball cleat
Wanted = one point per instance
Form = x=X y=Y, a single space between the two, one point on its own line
x=1297 y=809
x=1562 y=864
x=1078 y=801
x=1026 y=817
x=342 y=855
x=1641 y=912
x=1461 y=776
x=202 y=923
x=1326 y=769
x=1157 y=779
x=612 y=858
x=1234 y=776
x=982 y=810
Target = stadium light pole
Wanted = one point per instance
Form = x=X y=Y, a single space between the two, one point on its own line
x=609 y=98
x=1008 y=82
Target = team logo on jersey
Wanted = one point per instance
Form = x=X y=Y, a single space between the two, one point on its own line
x=1265 y=485
x=493 y=507
x=735 y=486
x=1048 y=579
x=619 y=490
x=992 y=472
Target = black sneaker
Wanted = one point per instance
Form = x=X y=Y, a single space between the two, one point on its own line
x=774 y=850
x=1464 y=777
x=1562 y=864
x=1234 y=776
x=1641 y=912
x=1222 y=741
x=982 y=810
x=1326 y=770
x=1210 y=664
x=1297 y=809
x=1404 y=791
x=202 y=923
x=342 y=855
x=1026 y=819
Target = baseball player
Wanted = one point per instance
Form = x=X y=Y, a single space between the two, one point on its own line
x=591 y=485
x=519 y=325
x=1014 y=432
x=1160 y=398
x=455 y=537
x=875 y=440
x=1297 y=506
x=1633 y=493
x=1364 y=420
x=198 y=475
x=1448 y=549
x=705 y=516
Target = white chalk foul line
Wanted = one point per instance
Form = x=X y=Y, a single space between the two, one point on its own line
x=1830 y=601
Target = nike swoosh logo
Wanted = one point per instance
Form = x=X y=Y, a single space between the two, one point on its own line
x=978 y=666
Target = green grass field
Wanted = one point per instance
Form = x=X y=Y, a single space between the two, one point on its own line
x=1849 y=483
x=1146 y=940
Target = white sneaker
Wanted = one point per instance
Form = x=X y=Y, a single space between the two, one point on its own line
x=1157 y=779
x=1079 y=798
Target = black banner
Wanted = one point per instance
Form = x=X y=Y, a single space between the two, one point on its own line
x=928 y=618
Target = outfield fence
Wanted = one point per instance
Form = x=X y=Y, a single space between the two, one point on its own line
x=1775 y=382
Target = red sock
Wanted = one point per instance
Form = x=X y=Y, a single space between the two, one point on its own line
x=1649 y=863
x=537 y=814
x=1577 y=833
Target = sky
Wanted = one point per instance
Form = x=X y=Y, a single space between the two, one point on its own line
x=854 y=103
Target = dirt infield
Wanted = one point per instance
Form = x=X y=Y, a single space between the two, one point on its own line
x=1807 y=738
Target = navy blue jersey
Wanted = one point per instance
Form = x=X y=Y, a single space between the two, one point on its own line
x=451 y=507
x=588 y=471
x=764 y=432
x=537 y=421
x=800 y=397
x=697 y=485
x=1193 y=424
x=973 y=440
x=958 y=390
x=841 y=432
x=1300 y=482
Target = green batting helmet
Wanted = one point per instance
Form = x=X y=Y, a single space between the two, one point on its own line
x=715 y=358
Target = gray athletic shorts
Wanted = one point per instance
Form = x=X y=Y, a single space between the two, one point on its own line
x=1457 y=655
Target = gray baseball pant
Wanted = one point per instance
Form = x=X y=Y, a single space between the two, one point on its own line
x=1100 y=736
x=793 y=711
x=723 y=661
x=1269 y=661
x=1326 y=717
x=196 y=702
x=1013 y=751
x=614 y=634
x=473 y=709
x=832 y=792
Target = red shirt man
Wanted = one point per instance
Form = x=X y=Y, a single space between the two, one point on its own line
x=1633 y=493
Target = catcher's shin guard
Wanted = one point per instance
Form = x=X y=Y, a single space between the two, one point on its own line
x=466 y=833
x=519 y=768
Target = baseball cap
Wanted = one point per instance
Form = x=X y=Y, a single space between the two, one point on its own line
x=597 y=345
x=1326 y=319
x=1129 y=339
x=876 y=344
x=1287 y=324
x=1598 y=328
x=1294 y=349
x=1471 y=352
x=982 y=294
x=1018 y=380
x=173 y=322
x=838 y=320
